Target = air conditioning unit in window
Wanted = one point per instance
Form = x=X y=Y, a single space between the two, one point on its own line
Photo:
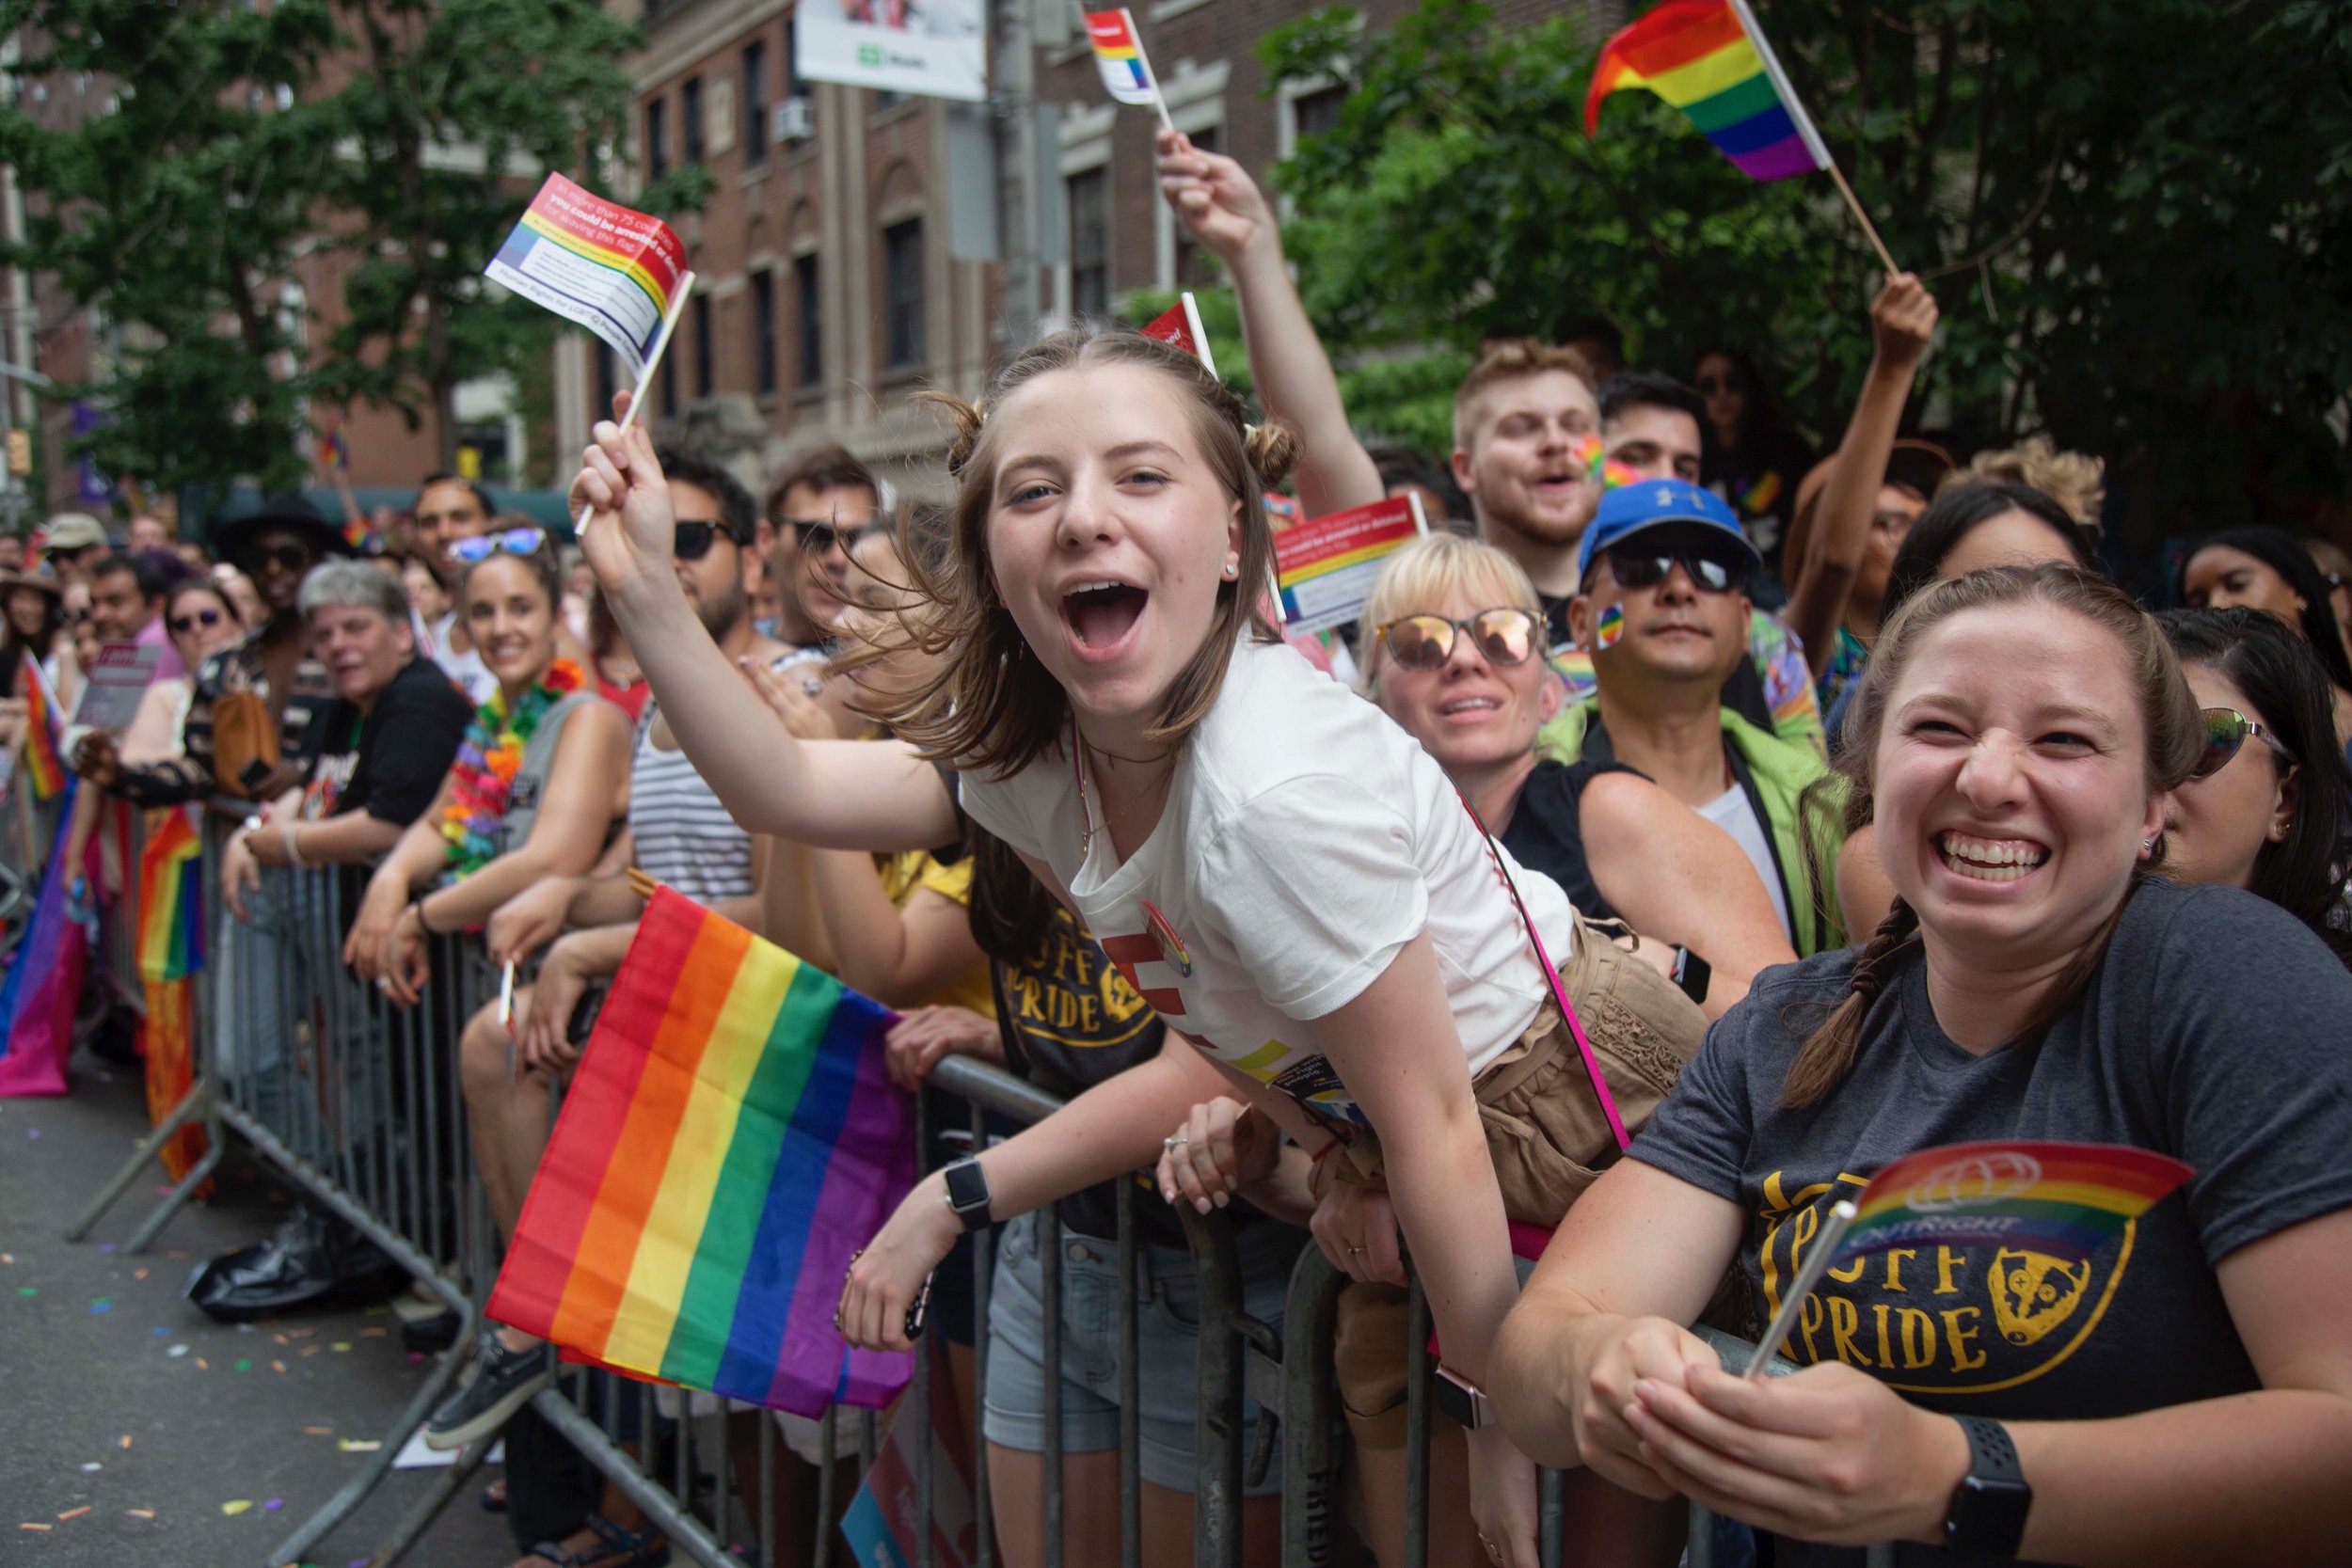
x=790 y=120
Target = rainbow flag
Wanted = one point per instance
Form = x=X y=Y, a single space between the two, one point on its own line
x=1119 y=54
x=613 y=270
x=1709 y=59
x=171 y=899
x=42 y=765
x=43 y=979
x=729 y=1140
x=2064 y=1199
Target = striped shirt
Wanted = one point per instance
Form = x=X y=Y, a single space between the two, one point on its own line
x=684 y=837
x=239 y=669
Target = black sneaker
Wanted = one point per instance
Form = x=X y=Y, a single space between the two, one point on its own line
x=502 y=1382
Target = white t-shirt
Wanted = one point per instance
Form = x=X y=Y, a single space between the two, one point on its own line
x=467 y=670
x=1305 y=841
x=1735 y=814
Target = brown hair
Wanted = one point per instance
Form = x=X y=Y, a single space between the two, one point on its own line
x=2167 y=713
x=1509 y=359
x=994 y=706
x=826 y=467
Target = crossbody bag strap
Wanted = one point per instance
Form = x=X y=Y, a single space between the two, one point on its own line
x=1551 y=977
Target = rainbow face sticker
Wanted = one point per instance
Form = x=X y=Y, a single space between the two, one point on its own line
x=1610 y=629
x=1164 y=935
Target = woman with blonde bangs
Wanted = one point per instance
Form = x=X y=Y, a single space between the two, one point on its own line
x=1290 y=882
x=1452 y=635
x=2180 y=1390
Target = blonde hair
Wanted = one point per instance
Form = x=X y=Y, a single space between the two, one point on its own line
x=2167 y=713
x=1427 y=572
x=2075 y=479
x=1512 y=359
x=993 y=706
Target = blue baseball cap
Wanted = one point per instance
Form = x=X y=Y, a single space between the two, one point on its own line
x=1648 y=503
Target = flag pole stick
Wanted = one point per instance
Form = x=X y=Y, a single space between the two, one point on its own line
x=1150 y=77
x=653 y=362
x=1862 y=218
x=1817 y=1263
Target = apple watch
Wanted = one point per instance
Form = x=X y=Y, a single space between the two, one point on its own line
x=967 y=1191
x=1461 y=1399
x=1989 y=1506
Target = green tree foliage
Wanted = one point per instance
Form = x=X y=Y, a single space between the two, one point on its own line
x=2135 y=214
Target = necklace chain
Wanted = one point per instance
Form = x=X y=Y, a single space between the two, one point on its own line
x=1088 y=828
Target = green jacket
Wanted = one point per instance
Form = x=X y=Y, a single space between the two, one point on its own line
x=1774 y=771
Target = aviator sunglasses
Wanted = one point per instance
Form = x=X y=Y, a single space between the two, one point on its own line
x=513 y=541
x=1508 y=635
x=2226 y=730
x=1710 y=574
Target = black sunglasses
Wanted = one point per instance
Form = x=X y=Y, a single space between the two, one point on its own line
x=1710 y=574
x=186 y=624
x=2226 y=730
x=695 y=537
x=293 y=557
x=819 y=538
x=1508 y=635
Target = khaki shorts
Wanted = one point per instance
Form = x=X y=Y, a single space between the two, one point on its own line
x=1546 y=1132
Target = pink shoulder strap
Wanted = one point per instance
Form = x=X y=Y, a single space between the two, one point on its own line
x=1551 y=977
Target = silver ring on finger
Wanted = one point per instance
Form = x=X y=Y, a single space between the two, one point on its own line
x=1177 y=1142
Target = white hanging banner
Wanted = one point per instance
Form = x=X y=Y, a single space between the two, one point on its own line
x=929 y=48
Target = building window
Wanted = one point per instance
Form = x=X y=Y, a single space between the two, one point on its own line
x=1089 y=195
x=657 y=138
x=1196 y=266
x=792 y=88
x=884 y=99
x=1316 y=113
x=764 y=334
x=690 y=120
x=706 y=376
x=902 y=295
x=754 y=103
x=808 y=317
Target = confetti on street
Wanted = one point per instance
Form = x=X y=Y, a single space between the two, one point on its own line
x=126 y=1441
x=104 y=1304
x=319 y=1432
x=357 y=1444
x=72 y=1513
x=179 y=1349
x=140 y=1512
x=236 y=1506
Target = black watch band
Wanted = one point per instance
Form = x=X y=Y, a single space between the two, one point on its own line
x=967 y=1191
x=1989 y=1506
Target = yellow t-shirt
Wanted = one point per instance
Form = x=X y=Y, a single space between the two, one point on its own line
x=907 y=873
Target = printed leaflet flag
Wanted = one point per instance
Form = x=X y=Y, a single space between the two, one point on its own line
x=117 y=683
x=1126 y=74
x=1180 y=324
x=729 y=1140
x=1709 y=59
x=1325 y=568
x=2064 y=1199
x=612 y=270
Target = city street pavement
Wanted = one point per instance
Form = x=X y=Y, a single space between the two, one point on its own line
x=120 y=1401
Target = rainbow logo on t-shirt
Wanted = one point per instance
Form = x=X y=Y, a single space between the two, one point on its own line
x=1164 y=935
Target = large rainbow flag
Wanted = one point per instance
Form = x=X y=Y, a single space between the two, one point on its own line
x=1709 y=59
x=42 y=765
x=42 y=982
x=171 y=899
x=2065 y=1200
x=730 y=1139
x=613 y=270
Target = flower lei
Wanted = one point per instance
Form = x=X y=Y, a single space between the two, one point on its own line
x=483 y=782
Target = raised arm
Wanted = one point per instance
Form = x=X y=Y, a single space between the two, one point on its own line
x=1902 y=323
x=1679 y=878
x=1222 y=208
x=843 y=795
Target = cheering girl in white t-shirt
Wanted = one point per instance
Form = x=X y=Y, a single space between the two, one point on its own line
x=1282 y=873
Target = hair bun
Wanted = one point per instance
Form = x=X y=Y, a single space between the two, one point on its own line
x=965 y=418
x=1273 y=451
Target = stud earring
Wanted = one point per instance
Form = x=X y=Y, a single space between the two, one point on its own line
x=1233 y=569
x=2147 y=846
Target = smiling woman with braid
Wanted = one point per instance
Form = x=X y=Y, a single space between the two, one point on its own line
x=2183 y=1391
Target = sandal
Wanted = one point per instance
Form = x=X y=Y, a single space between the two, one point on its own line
x=620 y=1549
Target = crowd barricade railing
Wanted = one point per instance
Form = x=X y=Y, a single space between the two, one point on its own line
x=359 y=1106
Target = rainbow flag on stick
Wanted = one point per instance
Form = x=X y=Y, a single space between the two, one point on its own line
x=42 y=765
x=1119 y=55
x=619 y=273
x=729 y=1140
x=2064 y=1199
x=171 y=899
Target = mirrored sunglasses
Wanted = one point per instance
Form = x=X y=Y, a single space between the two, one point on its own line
x=1710 y=573
x=1508 y=635
x=2226 y=730
x=513 y=541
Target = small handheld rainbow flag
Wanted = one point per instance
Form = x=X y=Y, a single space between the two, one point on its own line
x=729 y=1140
x=2064 y=1199
x=43 y=768
x=619 y=273
x=1180 y=324
x=171 y=899
x=1709 y=59
x=1119 y=54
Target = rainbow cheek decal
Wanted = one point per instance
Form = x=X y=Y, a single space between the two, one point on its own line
x=1171 y=945
x=1609 y=630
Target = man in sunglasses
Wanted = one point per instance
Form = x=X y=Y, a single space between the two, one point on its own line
x=1663 y=608
x=816 y=510
x=70 y=543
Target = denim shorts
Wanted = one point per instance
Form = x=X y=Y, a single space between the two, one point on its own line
x=1168 y=1322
